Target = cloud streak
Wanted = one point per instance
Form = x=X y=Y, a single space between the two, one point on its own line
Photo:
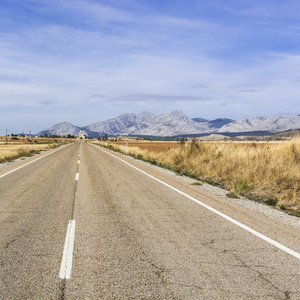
x=165 y=98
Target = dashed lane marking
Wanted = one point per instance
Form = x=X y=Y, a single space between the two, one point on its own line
x=67 y=258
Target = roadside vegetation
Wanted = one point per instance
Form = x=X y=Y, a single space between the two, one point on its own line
x=14 y=150
x=265 y=172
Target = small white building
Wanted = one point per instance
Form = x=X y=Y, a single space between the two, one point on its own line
x=81 y=135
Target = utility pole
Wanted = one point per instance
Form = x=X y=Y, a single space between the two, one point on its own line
x=30 y=140
x=6 y=136
x=126 y=142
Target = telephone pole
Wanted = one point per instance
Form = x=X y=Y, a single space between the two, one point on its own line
x=6 y=136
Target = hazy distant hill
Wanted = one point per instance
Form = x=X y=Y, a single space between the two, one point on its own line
x=218 y=123
x=122 y=123
x=175 y=123
x=63 y=128
x=170 y=124
x=271 y=124
x=288 y=134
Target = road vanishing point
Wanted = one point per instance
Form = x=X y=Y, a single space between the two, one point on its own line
x=82 y=222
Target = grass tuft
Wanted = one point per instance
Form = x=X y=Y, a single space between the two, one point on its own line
x=232 y=195
x=197 y=183
x=209 y=181
x=242 y=187
x=271 y=200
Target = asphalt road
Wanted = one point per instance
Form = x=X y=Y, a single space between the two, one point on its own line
x=134 y=238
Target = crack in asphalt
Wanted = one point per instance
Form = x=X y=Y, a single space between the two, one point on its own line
x=261 y=275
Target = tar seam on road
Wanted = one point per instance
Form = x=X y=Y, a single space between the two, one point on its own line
x=66 y=263
x=241 y=225
x=32 y=161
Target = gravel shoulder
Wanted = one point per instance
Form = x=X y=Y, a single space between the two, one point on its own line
x=260 y=208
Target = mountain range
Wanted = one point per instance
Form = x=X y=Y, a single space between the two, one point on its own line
x=175 y=123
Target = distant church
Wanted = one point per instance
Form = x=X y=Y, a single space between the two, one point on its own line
x=81 y=135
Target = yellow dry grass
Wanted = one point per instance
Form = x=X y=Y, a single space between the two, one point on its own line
x=11 y=152
x=270 y=168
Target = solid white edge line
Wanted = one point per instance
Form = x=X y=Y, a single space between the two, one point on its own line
x=67 y=258
x=33 y=161
x=256 y=233
x=77 y=176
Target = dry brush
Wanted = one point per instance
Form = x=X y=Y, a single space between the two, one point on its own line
x=12 y=152
x=259 y=170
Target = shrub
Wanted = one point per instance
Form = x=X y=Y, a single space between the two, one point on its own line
x=242 y=187
x=272 y=201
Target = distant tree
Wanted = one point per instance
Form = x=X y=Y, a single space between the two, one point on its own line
x=45 y=135
x=53 y=136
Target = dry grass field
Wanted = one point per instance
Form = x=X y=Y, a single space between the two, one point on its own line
x=15 y=148
x=11 y=152
x=265 y=171
x=34 y=140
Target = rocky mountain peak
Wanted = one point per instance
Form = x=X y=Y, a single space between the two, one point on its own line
x=177 y=115
x=175 y=123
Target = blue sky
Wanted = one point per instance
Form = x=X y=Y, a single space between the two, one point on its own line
x=84 y=61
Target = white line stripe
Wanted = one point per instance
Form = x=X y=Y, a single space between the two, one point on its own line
x=263 y=237
x=67 y=258
x=77 y=176
x=79 y=161
x=32 y=161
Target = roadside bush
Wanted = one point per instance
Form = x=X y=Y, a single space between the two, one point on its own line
x=272 y=201
x=242 y=187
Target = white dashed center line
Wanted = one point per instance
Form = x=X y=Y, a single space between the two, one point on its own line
x=66 y=263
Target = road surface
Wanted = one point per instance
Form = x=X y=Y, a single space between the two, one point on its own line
x=77 y=222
